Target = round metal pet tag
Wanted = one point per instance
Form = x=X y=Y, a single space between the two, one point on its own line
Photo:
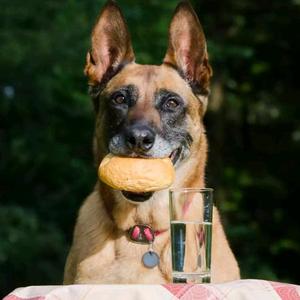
x=150 y=259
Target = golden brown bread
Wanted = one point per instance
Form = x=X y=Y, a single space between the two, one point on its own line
x=136 y=174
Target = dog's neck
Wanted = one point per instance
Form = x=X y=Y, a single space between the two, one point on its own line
x=155 y=211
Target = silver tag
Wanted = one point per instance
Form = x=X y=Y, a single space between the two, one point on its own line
x=150 y=259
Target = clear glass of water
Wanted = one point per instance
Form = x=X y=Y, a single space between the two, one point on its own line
x=191 y=211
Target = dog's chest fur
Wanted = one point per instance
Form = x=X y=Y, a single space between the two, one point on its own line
x=110 y=257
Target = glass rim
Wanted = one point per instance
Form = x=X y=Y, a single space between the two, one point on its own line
x=187 y=190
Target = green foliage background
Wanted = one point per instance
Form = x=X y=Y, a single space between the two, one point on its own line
x=46 y=127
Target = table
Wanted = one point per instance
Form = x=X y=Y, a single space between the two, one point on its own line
x=237 y=290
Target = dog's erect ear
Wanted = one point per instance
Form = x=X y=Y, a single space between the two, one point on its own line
x=187 y=50
x=111 y=45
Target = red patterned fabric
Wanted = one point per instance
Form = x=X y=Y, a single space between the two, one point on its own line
x=189 y=291
x=286 y=291
x=235 y=290
x=13 y=297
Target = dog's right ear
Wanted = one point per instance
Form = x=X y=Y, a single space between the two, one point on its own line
x=111 y=45
x=187 y=50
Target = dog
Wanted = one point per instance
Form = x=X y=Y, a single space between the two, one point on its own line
x=145 y=111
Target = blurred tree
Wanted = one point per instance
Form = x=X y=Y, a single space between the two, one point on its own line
x=46 y=127
x=253 y=126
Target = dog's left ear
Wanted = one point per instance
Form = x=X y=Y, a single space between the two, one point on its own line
x=187 y=50
x=111 y=45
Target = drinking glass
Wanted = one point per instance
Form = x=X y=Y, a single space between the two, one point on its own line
x=191 y=211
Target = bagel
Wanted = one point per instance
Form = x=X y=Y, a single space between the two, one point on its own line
x=137 y=175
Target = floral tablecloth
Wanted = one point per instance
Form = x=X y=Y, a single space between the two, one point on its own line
x=238 y=290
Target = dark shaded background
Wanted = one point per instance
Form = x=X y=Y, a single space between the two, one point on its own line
x=46 y=124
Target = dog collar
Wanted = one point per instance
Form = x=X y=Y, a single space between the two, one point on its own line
x=143 y=234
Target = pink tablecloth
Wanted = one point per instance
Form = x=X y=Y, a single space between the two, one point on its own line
x=237 y=290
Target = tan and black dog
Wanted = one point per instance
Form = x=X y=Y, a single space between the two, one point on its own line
x=144 y=111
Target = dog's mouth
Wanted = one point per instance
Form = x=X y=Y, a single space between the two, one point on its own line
x=175 y=155
x=142 y=197
x=137 y=197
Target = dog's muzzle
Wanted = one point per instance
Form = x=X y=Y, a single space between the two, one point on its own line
x=142 y=197
x=139 y=138
x=137 y=197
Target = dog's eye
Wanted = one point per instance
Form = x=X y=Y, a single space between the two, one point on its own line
x=119 y=99
x=171 y=103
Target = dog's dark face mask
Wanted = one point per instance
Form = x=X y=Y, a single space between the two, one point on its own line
x=144 y=110
x=144 y=119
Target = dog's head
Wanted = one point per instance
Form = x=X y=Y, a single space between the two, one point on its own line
x=148 y=110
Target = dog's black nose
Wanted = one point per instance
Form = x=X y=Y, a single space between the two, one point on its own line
x=139 y=138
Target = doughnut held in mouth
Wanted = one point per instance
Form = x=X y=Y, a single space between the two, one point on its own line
x=139 y=176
